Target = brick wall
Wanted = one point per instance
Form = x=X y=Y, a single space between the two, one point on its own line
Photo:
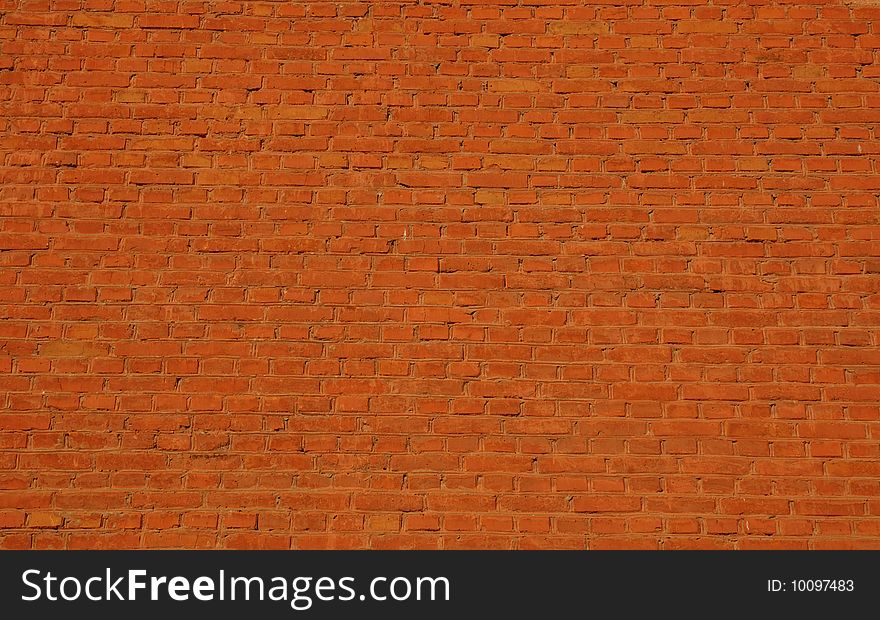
x=484 y=273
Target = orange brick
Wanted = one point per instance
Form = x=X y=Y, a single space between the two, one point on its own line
x=448 y=276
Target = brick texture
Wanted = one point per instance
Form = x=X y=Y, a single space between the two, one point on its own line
x=477 y=273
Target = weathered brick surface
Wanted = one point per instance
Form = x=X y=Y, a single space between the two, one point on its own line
x=483 y=273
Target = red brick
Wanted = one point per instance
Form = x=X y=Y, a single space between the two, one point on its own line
x=609 y=279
